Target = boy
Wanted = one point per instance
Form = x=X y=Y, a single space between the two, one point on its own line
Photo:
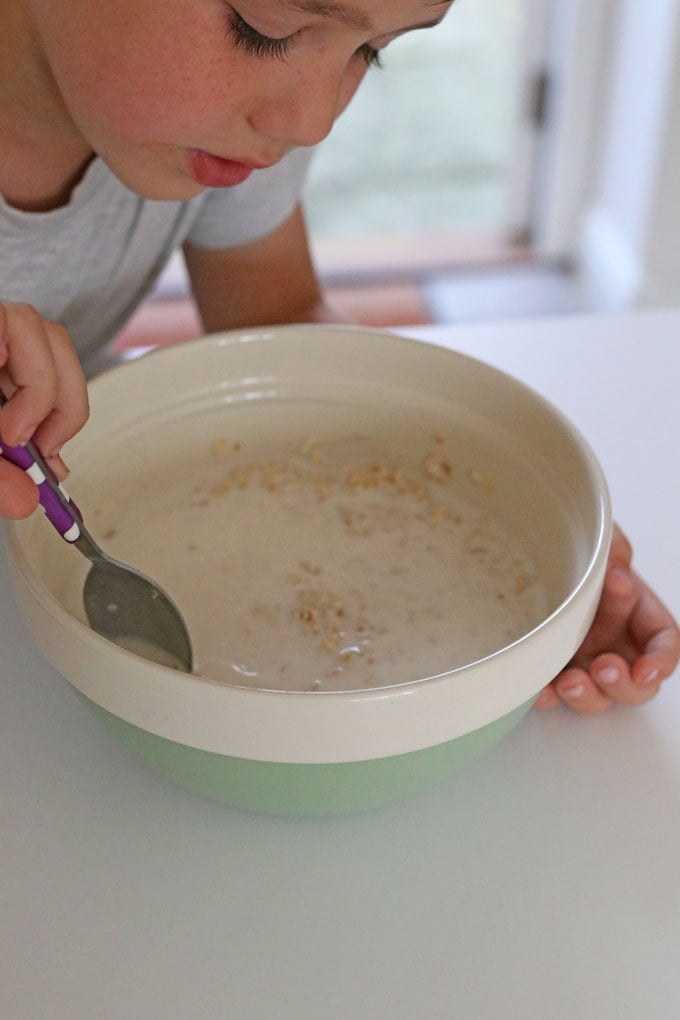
x=128 y=127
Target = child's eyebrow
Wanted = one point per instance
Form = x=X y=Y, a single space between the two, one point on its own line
x=346 y=12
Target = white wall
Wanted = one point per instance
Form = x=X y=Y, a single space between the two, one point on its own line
x=577 y=56
x=661 y=282
x=626 y=228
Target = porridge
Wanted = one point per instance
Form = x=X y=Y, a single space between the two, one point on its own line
x=326 y=562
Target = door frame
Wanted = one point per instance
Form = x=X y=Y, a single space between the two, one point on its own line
x=567 y=48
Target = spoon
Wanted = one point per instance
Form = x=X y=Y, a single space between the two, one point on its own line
x=120 y=603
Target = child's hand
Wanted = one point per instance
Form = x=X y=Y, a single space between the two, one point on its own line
x=41 y=377
x=632 y=645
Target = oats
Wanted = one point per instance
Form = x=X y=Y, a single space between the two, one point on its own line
x=437 y=466
x=483 y=483
x=219 y=447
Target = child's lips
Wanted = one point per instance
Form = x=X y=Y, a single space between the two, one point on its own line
x=217 y=172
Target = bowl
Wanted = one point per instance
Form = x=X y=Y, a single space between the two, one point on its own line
x=496 y=468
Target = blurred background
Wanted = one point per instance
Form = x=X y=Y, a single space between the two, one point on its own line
x=522 y=158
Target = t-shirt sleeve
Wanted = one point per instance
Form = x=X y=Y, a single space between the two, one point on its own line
x=231 y=217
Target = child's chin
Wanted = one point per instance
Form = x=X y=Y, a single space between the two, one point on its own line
x=157 y=183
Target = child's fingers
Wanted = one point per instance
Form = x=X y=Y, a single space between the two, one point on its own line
x=29 y=372
x=631 y=647
x=614 y=678
x=620 y=550
x=576 y=689
x=657 y=636
x=659 y=660
x=18 y=494
x=71 y=408
x=46 y=395
x=619 y=582
x=548 y=698
x=589 y=692
x=610 y=629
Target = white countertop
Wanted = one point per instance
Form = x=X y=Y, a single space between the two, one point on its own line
x=541 y=884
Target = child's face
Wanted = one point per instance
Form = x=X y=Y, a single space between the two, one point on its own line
x=160 y=87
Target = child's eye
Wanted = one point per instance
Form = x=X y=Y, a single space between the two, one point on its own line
x=253 y=42
x=370 y=55
x=258 y=45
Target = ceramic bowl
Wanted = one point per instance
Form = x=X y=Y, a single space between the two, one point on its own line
x=320 y=751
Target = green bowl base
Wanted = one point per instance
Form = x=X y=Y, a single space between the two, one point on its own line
x=307 y=789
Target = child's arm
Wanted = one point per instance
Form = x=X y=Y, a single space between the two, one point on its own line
x=267 y=282
x=47 y=398
x=632 y=646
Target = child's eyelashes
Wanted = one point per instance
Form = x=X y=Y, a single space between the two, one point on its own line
x=370 y=55
x=253 y=42
x=256 y=44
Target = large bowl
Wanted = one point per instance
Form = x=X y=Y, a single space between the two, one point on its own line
x=318 y=752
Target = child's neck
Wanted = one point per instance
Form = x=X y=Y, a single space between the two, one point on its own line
x=38 y=177
x=43 y=155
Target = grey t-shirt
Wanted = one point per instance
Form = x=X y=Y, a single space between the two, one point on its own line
x=89 y=263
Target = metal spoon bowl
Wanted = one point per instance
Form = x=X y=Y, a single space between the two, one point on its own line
x=120 y=603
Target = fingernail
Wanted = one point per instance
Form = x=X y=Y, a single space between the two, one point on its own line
x=574 y=692
x=651 y=677
x=608 y=675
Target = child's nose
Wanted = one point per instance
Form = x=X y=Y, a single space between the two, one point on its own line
x=302 y=113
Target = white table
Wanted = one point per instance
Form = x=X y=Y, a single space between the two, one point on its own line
x=541 y=884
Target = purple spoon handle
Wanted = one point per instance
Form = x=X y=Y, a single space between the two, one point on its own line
x=59 y=508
